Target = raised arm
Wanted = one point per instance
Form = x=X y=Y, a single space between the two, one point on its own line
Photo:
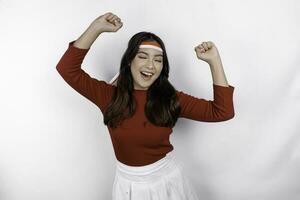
x=221 y=108
x=69 y=66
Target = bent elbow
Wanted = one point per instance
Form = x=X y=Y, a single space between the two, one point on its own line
x=230 y=116
x=59 y=68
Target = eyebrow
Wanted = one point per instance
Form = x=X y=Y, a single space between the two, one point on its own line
x=147 y=53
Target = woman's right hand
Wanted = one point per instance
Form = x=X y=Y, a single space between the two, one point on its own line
x=108 y=22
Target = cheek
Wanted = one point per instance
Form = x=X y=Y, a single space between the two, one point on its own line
x=157 y=75
x=134 y=72
x=159 y=70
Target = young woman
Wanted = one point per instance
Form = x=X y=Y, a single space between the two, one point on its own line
x=140 y=108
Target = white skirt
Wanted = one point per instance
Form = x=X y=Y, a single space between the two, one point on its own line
x=162 y=180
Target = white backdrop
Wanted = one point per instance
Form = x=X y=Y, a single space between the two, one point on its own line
x=54 y=145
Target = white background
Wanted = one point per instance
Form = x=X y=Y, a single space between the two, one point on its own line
x=54 y=145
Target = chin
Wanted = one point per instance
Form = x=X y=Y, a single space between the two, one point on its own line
x=145 y=85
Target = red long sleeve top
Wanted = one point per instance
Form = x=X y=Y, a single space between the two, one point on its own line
x=138 y=142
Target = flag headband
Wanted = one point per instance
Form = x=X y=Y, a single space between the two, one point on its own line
x=151 y=44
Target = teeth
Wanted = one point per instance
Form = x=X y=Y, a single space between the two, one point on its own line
x=146 y=73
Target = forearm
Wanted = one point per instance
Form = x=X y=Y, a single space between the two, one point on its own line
x=87 y=38
x=218 y=74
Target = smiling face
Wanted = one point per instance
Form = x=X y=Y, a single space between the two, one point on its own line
x=146 y=60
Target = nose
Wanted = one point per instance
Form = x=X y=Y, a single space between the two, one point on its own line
x=150 y=65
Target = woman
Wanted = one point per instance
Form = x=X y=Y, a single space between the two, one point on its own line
x=141 y=107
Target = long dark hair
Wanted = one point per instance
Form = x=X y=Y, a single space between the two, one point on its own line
x=162 y=107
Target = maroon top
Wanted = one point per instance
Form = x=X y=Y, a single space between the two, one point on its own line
x=138 y=142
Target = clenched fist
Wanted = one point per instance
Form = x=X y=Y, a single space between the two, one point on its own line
x=207 y=51
x=108 y=22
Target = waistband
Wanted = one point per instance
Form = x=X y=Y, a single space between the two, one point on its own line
x=146 y=169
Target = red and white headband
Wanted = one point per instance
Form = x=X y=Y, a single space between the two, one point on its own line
x=151 y=44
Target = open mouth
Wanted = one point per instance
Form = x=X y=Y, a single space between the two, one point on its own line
x=146 y=75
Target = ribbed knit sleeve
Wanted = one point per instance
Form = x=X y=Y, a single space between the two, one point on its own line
x=199 y=109
x=69 y=67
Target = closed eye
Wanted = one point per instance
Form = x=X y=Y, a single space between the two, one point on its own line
x=145 y=58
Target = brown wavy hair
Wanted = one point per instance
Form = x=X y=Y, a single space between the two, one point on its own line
x=162 y=107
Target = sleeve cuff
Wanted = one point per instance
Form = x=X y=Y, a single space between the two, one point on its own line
x=230 y=87
x=71 y=45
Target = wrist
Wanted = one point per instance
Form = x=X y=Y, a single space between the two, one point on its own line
x=215 y=63
x=94 y=30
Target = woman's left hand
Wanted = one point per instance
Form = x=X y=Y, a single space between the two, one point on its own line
x=208 y=52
